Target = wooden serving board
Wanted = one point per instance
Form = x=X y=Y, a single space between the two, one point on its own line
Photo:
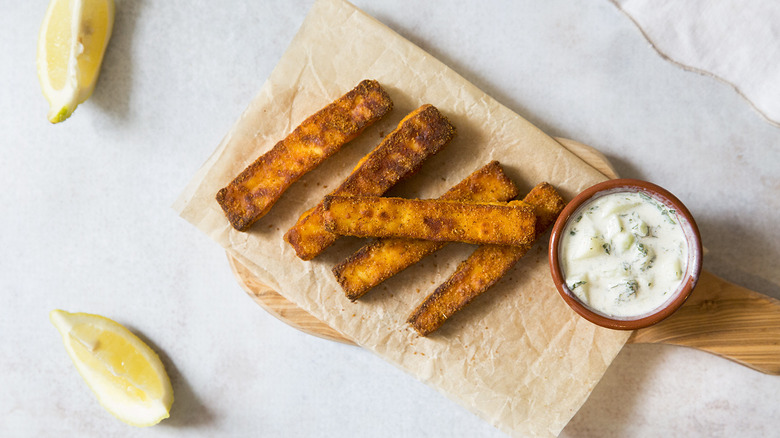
x=719 y=317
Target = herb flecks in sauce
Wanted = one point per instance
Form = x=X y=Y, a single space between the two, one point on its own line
x=630 y=248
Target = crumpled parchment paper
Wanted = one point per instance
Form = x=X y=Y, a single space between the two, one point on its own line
x=517 y=356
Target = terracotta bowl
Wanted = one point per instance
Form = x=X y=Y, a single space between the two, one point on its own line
x=675 y=300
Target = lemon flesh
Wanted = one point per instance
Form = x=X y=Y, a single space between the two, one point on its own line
x=126 y=375
x=73 y=39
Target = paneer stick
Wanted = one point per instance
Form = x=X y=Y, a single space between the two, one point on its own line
x=383 y=258
x=422 y=133
x=255 y=190
x=431 y=219
x=486 y=265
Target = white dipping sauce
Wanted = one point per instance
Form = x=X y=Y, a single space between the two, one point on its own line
x=623 y=254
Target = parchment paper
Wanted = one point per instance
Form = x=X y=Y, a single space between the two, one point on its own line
x=517 y=356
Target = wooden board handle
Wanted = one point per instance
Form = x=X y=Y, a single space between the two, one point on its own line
x=724 y=319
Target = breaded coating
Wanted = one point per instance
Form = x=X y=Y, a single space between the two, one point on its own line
x=255 y=190
x=383 y=258
x=486 y=265
x=431 y=219
x=422 y=133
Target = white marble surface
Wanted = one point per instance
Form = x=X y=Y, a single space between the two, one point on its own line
x=87 y=225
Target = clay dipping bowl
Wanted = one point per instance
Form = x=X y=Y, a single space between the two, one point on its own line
x=675 y=300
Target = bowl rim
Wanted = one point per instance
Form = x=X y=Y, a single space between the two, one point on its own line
x=692 y=234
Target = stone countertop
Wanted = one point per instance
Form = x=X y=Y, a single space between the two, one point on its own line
x=87 y=223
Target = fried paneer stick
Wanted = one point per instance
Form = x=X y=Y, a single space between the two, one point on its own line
x=422 y=133
x=383 y=258
x=486 y=265
x=255 y=190
x=431 y=219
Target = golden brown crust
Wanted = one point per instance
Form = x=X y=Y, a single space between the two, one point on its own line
x=255 y=190
x=383 y=258
x=486 y=265
x=422 y=133
x=430 y=219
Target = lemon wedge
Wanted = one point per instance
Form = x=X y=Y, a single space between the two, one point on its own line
x=73 y=38
x=126 y=375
